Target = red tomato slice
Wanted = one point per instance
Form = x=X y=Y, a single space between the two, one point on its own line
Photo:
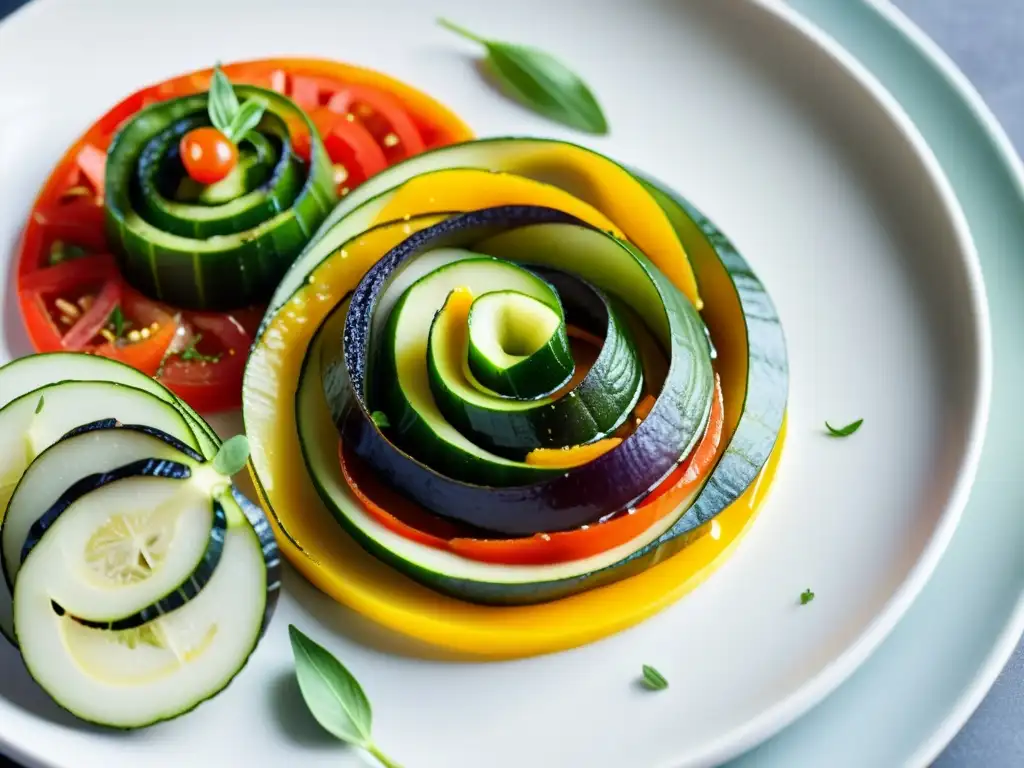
x=355 y=153
x=69 y=306
x=383 y=116
x=181 y=347
x=210 y=358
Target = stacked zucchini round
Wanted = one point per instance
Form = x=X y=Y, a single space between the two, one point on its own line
x=519 y=371
x=224 y=245
x=139 y=579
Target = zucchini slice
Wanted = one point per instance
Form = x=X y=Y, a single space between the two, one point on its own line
x=588 y=411
x=220 y=247
x=516 y=346
x=166 y=667
x=26 y=374
x=583 y=173
x=139 y=515
x=40 y=417
x=512 y=504
x=741 y=333
x=37 y=419
x=400 y=384
x=440 y=570
x=752 y=359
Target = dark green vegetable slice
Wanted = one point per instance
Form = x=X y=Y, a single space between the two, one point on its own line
x=746 y=329
x=592 y=409
x=222 y=246
x=517 y=346
x=560 y=500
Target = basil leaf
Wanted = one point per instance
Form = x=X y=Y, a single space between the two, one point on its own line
x=333 y=695
x=247 y=118
x=116 y=319
x=846 y=431
x=222 y=103
x=806 y=596
x=653 y=679
x=380 y=419
x=232 y=456
x=541 y=82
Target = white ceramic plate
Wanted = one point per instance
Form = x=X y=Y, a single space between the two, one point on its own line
x=906 y=703
x=824 y=184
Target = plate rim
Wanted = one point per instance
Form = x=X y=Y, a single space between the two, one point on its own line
x=784 y=711
x=1004 y=642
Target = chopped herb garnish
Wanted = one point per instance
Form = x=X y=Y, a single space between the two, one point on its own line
x=117 y=322
x=190 y=353
x=846 y=431
x=61 y=252
x=39 y=405
x=653 y=679
x=806 y=596
x=380 y=419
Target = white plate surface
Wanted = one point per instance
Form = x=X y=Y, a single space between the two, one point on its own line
x=908 y=701
x=836 y=201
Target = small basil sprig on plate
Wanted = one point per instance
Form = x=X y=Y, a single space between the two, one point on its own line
x=846 y=431
x=229 y=117
x=653 y=679
x=334 y=696
x=541 y=82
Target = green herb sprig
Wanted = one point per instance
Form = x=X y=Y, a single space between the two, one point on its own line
x=190 y=353
x=540 y=81
x=380 y=419
x=653 y=679
x=232 y=456
x=806 y=596
x=61 y=251
x=228 y=116
x=334 y=696
x=117 y=322
x=846 y=431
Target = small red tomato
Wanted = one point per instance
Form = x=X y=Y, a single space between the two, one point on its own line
x=207 y=154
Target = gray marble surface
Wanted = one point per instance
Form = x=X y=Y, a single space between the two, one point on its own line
x=986 y=39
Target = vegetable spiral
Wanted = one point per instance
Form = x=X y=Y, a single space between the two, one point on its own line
x=222 y=245
x=451 y=471
x=518 y=371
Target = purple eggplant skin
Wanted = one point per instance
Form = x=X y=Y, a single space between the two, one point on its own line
x=561 y=501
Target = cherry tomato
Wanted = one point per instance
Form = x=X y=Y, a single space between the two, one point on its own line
x=207 y=154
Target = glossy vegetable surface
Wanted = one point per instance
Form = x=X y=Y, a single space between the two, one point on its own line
x=199 y=355
x=602 y=590
x=482 y=489
x=203 y=246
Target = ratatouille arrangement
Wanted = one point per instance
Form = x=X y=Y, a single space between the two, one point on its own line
x=505 y=395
